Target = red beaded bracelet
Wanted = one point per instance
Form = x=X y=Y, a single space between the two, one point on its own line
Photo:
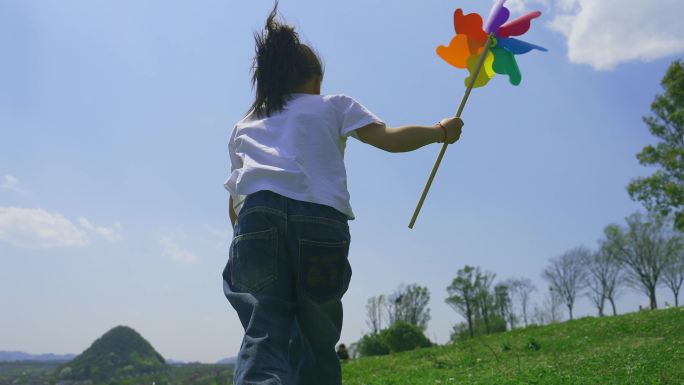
x=445 y=131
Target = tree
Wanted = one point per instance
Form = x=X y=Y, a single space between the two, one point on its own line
x=409 y=304
x=502 y=301
x=596 y=292
x=510 y=306
x=645 y=247
x=549 y=310
x=567 y=275
x=552 y=305
x=673 y=276
x=613 y=273
x=462 y=294
x=604 y=275
x=484 y=297
x=538 y=317
x=521 y=289
x=663 y=192
x=374 y=311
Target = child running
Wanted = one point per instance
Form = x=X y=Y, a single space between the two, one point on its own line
x=287 y=268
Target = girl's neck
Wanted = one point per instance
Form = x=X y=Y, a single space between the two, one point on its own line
x=312 y=87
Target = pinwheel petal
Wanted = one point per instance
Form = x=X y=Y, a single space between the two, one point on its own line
x=470 y=24
x=518 y=26
x=505 y=64
x=476 y=46
x=497 y=17
x=486 y=73
x=517 y=47
x=457 y=53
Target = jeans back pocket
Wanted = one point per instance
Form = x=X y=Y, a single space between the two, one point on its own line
x=254 y=260
x=322 y=268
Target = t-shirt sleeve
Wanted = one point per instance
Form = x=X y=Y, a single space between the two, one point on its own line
x=235 y=166
x=352 y=115
x=235 y=161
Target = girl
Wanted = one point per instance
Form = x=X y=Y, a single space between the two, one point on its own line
x=287 y=268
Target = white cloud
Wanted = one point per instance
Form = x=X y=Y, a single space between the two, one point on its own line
x=567 y=5
x=39 y=229
x=519 y=6
x=605 y=33
x=11 y=183
x=221 y=236
x=171 y=249
x=112 y=233
x=516 y=6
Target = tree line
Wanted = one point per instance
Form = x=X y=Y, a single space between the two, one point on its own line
x=644 y=253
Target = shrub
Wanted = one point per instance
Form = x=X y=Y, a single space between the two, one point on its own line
x=373 y=345
x=403 y=336
x=497 y=324
x=459 y=332
x=65 y=372
x=532 y=344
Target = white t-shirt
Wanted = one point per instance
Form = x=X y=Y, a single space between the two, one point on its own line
x=297 y=152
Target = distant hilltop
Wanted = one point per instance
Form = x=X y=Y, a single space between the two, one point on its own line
x=227 y=361
x=6 y=356
x=121 y=352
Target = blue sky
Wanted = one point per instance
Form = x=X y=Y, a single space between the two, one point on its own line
x=114 y=121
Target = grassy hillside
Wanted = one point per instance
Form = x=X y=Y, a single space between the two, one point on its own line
x=638 y=348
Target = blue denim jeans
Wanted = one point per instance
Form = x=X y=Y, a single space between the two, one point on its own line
x=286 y=274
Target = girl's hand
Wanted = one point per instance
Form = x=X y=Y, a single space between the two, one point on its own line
x=453 y=129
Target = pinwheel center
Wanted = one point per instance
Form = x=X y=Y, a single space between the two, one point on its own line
x=494 y=42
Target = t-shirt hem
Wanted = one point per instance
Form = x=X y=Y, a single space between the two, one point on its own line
x=237 y=205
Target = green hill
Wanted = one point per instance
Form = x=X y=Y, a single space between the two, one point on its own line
x=121 y=352
x=637 y=348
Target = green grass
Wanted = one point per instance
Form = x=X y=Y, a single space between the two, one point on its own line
x=637 y=348
x=43 y=373
x=26 y=372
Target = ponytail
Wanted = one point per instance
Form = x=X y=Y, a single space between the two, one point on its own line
x=281 y=64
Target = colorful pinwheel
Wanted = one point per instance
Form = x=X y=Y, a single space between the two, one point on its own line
x=485 y=51
x=471 y=37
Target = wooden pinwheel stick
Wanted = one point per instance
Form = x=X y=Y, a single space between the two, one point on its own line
x=473 y=78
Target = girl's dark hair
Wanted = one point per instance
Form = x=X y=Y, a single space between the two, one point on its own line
x=281 y=64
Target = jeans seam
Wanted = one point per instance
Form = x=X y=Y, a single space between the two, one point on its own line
x=253 y=235
x=321 y=243
x=264 y=209
x=318 y=220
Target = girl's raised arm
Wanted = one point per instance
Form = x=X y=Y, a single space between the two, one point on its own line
x=409 y=138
